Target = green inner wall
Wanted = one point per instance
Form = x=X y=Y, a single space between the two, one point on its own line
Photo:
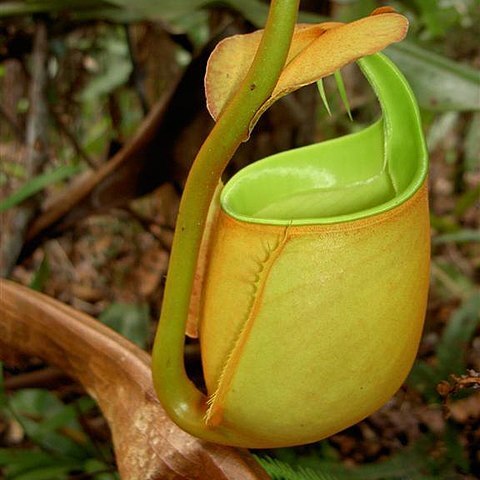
x=347 y=178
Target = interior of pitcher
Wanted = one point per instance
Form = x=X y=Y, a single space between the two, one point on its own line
x=343 y=179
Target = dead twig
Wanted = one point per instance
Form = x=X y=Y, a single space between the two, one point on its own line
x=44 y=378
x=456 y=384
x=36 y=141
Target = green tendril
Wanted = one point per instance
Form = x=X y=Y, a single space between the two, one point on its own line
x=180 y=398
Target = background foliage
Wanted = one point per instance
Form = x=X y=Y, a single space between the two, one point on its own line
x=108 y=63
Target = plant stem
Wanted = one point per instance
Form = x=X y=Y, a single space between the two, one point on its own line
x=184 y=403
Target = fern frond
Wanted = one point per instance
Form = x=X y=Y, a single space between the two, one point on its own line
x=279 y=470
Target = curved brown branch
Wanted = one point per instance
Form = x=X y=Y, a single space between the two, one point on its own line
x=117 y=374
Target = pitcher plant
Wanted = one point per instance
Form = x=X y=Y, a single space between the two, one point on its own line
x=306 y=275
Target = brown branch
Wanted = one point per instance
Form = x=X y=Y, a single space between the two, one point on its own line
x=36 y=141
x=36 y=135
x=44 y=378
x=117 y=374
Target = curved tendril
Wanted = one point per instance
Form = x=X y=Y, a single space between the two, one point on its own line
x=183 y=402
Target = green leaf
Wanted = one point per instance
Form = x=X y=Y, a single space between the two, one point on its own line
x=443 y=224
x=115 y=66
x=343 y=92
x=41 y=414
x=13 y=169
x=111 y=14
x=98 y=470
x=437 y=19
x=170 y=10
x=35 y=465
x=41 y=275
x=439 y=84
x=347 y=11
x=452 y=278
x=323 y=96
x=132 y=320
x=122 y=11
x=35 y=402
x=21 y=456
x=30 y=7
x=462 y=236
x=166 y=10
x=37 y=184
x=450 y=350
x=443 y=124
x=53 y=472
x=67 y=416
x=256 y=12
x=424 y=379
x=472 y=144
x=455 y=448
x=457 y=334
x=467 y=200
